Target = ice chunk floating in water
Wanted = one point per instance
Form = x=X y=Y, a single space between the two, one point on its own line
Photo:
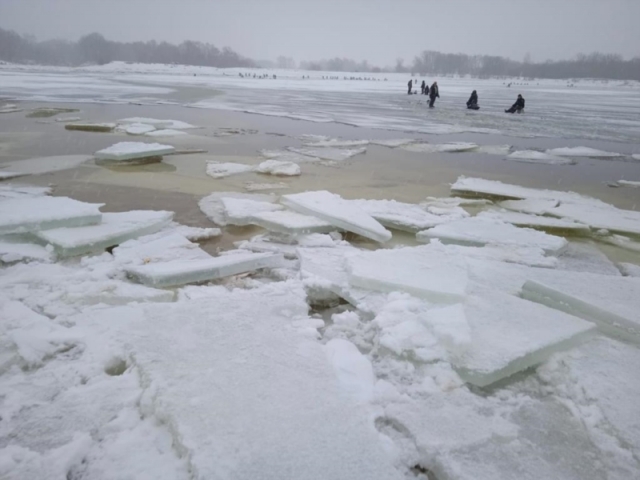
x=24 y=215
x=331 y=154
x=277 y=167
x=291 y=222
x=581 y=152
x=533 y=156
x=132 y=151
x=333 y=209
x=221 y=170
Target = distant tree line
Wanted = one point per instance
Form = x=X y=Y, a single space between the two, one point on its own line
x=95 y=49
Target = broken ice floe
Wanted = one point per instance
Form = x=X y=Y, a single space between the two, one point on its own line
x=277 y=167
x=13 y=250
x=327 y=153
x=133 y=153
x=535 y=221
x=91 y=127
x=533 y=156
x=224 y=169
x=337 y=143
x=36 y=166
x=290 y=222
x=10 y=108
x=629 y=183
x=7 y=175
x=166 y=132
x=394 y=142
x=137 y=128
x=258 y=187
x=214 y=208
x=531 y=206
x=158 y=123
x=581 y=152
x=440 y=148
x=15 y=190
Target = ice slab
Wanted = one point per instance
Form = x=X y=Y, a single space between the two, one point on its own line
x=627 y=269
x=15 y=251
x=195 y=234
x=158 y=123
x=494 y=149
x=14 y=190
x=166 y=132
x=114 y=229
x=68 y=119
x=403 y=216
x=252 y=412
x=137 y=128
x=613 y=303
x=261 y=246
x=336 y=142
x=158 y=248
x=278 y=167
x=585 y=257
x=241 y=211
x=337 y=211
x=533 y=206
x=353 y=369
x=287 y=156
x=533 y=156
x=133 y=150
x=259 y=187
x=636 y=156
x=530 y=256
x=421 y=271
x=290 y=222
x=23 y=215
x=510 y=334
x=91 y=127
x=440 y=148
x=214 y=209
x=10 y=108
x=224 y=169
x=629 y=183
x=535 y=221
x=604 y=217
x=393 y=143
x=35 y=166
x=621 y=241
x=7 y=175
x=581 y=152
x=494 y=188
x=115 y=292
x=331 y=154
x=182 y=272
x=477 y=231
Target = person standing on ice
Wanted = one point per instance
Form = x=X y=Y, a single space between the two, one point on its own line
x=410 y=85
x=433 y=93
x=423 y=86
x=472 y=103
x=518 y=106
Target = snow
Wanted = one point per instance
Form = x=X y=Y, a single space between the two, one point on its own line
x=510 y=335
x=403 y=216
x=91 y=127
x=440 y=148
x=478 y=231
x=354 y=370
x=337 y=211
x=241 y=211
x=611 y=302
x=167 y=132
x=581 y=152
x=249 y=396
x=585 y=257
x=627 y=269
x=15 y=251
x=36 y=166
x=182 y=272
x=532 y=206
x=137 y=128
x=534 y=221
x=133 y=150
x=114 y=229
x=629 y=183
x=224 y=169
x=158 y=123
x=115 y=292
x=621 y=241
x=290 y=222
x=22 y=215
x=277 y=167
x=331 y=154
x=421 y=271
x=158 y=248
x=533 y=156
x=214 y=209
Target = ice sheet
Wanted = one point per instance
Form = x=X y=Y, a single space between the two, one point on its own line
x=629 y=183
x=331 y=154
x=532 y=206
x=534 y=221
x=166 y=132
x=36 y=166
x=15 y=251
x=510 y=334
x=333 y=209
x=600 y=217
x=278 y=167
x=114 y=229
x=336 y=142
x=241 y=211
x=250 y=413
x=133 y=150
x=394 y=142
x=424 y=271
x=15 y=190
x=214 y=209
x=258 y=187
x=585 y=257
x=221 y=170
x=115 y=292
x=158 y=248
x=22 y=215
x=440 y=148
x=581 y=152
x=533 y=156
x=290 y=222
x=7 y=175
x=287 y=156
x=620 y=241
x=137 y=128
x=182 y=272
x=158 y=123
x=477 y=231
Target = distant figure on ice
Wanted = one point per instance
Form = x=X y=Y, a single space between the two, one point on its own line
x=433 y=93
x=472 y=103
x=423 y=87
x=410 y=85
x=517 y=107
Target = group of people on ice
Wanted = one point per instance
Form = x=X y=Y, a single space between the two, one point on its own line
x=472 y=104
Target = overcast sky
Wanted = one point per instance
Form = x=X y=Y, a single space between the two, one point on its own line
x=377 y=30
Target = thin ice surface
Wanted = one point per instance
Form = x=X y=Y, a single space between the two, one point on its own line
x=440 y=148
x=290 y=222
x=252 y=410
x=214 y=209
x=133 y=150
x=600 y=217
x=23 y=215
x=158 y=123
x=534 y=221
x=533 y=156
x=510 y=334
x=182 y=272
x=335 y=210
x=114 y=229
x=241 y=211
x=531 y=206
x=15 y=190
x=421 y=271
x=331 y=154
x=35 y=166
x=221 y=170
x=581 y=152
x=166 y=132
x=481 y=231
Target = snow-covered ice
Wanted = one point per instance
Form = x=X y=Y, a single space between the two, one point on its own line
x=581 y=152
x=15 y=190
x=16 y=251
x=337 y=211
x=336 y=142
x=605 y=217
x=115 y=228
x=534 y=156
x=627 y=269
x=478 y=231
x=7 y=175
x=423 y=271
x=124 y=151
x=290 y=222
x=330 y=154
x=629 y=183
x=259 y=187
x=224 y=169
x=278 y=167
x=534 y=221
x=115 y=292
x=440 y=148
x=393 y=143
x=23 y=215
x=585 y=257
x=137 y=128
x=213 y=207
x=241 y=211
x=493 y=149
x=182 y=272
x=533 y=206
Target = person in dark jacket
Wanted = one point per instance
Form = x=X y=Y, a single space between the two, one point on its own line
x=423 y=86
x=433 y=94
x=472 y=103
x=426 y=89
x=517 y=107
x=410 y=85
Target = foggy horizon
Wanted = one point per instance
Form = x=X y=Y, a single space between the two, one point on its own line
x=374 y=30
